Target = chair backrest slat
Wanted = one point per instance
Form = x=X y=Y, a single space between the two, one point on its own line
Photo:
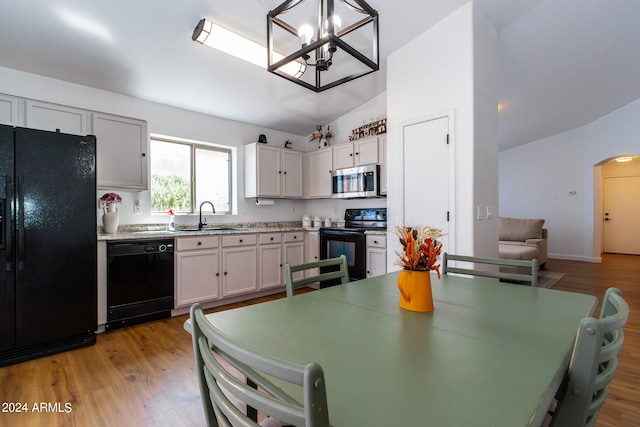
x=530 y=265
x=342 y=273
x=593 y=363
x=215 y=352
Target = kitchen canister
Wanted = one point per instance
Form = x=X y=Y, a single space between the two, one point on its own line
x=327 y=222
x=306 y=221
x=317 y=222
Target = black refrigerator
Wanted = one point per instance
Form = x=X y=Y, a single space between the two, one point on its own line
x=48 y=243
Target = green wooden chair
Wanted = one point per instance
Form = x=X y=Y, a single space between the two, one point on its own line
x=593 y=363
x=218 y=385
x=529 y=265
x=342 y=273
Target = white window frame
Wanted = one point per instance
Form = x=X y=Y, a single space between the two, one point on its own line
x=193 y=144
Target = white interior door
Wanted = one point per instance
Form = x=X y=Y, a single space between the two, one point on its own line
x=621 y=231
x=426 y=174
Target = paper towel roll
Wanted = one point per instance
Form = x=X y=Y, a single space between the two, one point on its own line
x=264 y=202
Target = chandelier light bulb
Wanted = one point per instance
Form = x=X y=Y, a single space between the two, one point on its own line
x=305 y=33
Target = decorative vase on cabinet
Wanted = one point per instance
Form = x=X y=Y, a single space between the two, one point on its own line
x=110 y=219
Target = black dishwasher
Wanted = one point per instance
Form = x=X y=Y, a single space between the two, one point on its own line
x=139 y=281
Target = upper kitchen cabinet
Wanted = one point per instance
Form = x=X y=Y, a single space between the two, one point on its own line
x=318 y=173
x=9 y=110
x=56 y=118
x=122 y=146
x=358 y=153
x=272 y=172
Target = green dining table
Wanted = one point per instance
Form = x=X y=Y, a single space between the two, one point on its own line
x=490 y=354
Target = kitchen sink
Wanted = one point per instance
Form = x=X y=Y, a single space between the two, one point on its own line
x=187 y=230
x=153 y=232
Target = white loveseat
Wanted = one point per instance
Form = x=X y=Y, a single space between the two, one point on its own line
x=521 y=238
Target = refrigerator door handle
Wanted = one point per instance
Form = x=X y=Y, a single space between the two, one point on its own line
x=6 y=223
x=20 y=223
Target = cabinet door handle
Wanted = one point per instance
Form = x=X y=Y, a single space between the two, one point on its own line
x=199 y=243
x=350 y=154
x=217 y=274
x=285 y=172
x=295 y=237
x=357 y=154
x=225 y=273
x=272 y=238
x=144 y=154
x=240 y=240
x=280 y=172
x=375 y=241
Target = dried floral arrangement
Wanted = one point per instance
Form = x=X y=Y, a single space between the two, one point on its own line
x=109 y=198
x=318 y=134
x=420 y=248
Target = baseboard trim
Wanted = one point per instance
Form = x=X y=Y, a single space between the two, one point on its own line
x=595 y=260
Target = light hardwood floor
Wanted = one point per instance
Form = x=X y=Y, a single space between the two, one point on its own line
x=143 y=375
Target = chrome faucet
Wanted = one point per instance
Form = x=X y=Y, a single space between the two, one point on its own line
x=200 y=223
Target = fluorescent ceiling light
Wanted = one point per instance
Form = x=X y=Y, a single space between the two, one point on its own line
x=213 y=35
x=624 y=159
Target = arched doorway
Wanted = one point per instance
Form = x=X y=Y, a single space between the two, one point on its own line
x=617 y=205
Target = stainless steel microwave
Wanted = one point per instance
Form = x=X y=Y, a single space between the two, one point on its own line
x=362 y=181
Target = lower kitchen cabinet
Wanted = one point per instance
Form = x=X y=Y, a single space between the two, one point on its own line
x=293 y=250
x=376 y=255
x=197 y=270
x=313 y=252
x=239 y=264
x=270 y=261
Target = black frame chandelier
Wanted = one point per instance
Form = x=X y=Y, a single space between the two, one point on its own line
x=317 y=44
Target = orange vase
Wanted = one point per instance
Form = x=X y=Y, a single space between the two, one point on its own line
x=415 y=290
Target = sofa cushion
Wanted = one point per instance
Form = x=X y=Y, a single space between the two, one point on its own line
x=520 y=229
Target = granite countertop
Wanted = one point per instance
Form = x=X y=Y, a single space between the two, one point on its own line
x=160 y=231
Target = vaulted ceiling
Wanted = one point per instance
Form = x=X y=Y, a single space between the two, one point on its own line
x=562 y=65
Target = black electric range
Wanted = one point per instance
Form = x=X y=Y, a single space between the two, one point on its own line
x=350 y=240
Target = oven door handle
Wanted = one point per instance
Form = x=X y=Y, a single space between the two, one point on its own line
x=340 y=233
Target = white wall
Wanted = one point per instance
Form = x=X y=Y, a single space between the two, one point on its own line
x=165 y=120
x=434 y=76
x=535 y=180
x=375 y=108
x=485 y=135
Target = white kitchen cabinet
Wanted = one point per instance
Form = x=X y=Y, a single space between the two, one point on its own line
x=312 y=253
x=9 y=110
x=54 y=117
x=343 y=156
x=272 y=172
x=382 y=155
x=358 y=153
x=197 y=270
x=292 y=174
x=239 y=264
x=121 y=152
x=270 y=261
x=318 y=173
x=293 y=250
x=376 y=255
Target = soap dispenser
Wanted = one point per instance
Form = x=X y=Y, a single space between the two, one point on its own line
x=172 y=221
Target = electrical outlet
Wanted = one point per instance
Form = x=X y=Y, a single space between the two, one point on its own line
x=137 y=207
x=479 y=212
